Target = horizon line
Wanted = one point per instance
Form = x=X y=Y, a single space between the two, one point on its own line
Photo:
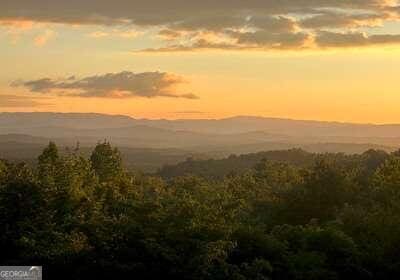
x=205 y=119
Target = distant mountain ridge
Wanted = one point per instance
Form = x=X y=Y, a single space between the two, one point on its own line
x=71 y=120
x=233 y=125
x=150 y=144
x=230 y=135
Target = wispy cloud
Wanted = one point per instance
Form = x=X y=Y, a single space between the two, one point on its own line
x=112 y=85
x=121 y=33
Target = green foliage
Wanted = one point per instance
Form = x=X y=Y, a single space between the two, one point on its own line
x=106 y=162
x=387 y=177
x=90 y=218
x=49 y=155
x=218 y=169
x=325 y=189
x=3 y=171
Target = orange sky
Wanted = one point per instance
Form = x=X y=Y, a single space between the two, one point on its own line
x=341 y=67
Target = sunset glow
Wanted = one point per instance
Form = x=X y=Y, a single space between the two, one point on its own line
x=324 y=61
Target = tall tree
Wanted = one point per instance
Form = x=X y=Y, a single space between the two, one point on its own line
x=106 y=162
x=48 y=166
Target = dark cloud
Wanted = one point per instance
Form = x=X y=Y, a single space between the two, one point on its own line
x=273 y=40
x=213 y=22
x=160 y=11
x=384 y=39
x=273 y=24
x=198 y=45
x=334 y=39
x=17 y=101
x=263 y=24
x=220 y=22
x=338 y=20
x=112 y=85
x=354 y=39
x=169 y=34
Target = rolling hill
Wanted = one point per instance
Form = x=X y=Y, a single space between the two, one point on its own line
x=23 y=135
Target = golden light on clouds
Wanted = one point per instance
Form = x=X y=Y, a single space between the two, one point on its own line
x=330 y=60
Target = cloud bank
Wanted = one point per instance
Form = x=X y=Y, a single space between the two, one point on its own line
x=112 y=85
x=223 y=24
x=332 y=39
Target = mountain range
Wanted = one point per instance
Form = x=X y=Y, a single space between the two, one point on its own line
x=182 y=138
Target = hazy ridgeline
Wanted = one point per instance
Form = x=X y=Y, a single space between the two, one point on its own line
x=148 y=145
x=295 y=215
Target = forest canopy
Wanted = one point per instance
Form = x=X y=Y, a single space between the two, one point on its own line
x=333 y=216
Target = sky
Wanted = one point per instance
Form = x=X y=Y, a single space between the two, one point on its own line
x=332 y=60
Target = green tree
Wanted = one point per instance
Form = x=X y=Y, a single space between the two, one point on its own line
x=386 y=179
x=325 y=190
x=48 y=162
x=49 y=155
x=21 y=205
x=106 y=162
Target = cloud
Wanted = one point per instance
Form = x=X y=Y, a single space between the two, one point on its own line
x=201 y=44
x=259 y=40
x=354 y=39
x=261 y=24
x=131 y=33
x=168 y=34
x=337 y=20
x=160 y=12
x=273 y=40
x=112 y=85
x=273 y=24
x=17 y=101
